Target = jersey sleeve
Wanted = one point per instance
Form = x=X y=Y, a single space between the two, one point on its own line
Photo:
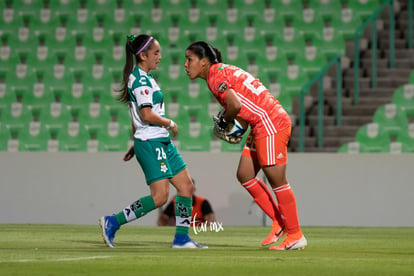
x=142 y=92
x=219 y=83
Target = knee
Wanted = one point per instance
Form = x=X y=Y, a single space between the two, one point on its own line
x=160 y=198
x=244 y=177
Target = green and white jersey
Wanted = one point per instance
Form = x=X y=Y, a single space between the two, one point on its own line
x=143 y=92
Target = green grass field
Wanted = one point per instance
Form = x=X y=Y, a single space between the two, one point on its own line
x=79 y=250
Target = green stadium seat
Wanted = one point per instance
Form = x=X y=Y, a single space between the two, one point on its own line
x=113 y=137
x=34 y=138
x=326 y=8
x=363 y=8
x=411 y=80
x=351 y=148
x=403 y=97
x=347 y=22
x=292 y=41
x=391 y=118
x=293 y=81
x=230 y=47
x=9 y=12
x=194 y=129
x=309 y=22
x=93 y=116
x=288 y=8
x=56 y=116
x=330 y=41
x=9 y=139
x=17 y=117
x=5 y=136
x=406 y=138
x=373 y=139
x=73 y=138
x=311 y=59
x=5 y=48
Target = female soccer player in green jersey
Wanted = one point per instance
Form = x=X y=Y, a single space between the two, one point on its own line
x=159 y=159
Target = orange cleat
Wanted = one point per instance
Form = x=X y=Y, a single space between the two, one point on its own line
x=274 y=235
x=292 y=243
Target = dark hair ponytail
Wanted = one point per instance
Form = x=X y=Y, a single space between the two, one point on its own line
x=135 y=45
x=203 y=49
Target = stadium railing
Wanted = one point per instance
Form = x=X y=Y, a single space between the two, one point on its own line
x=319 y=77
x=372 y=21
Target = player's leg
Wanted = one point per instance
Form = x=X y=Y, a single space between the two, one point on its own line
x=247 y=176
x=183 y=207
x=273 y=160
x=156 y=177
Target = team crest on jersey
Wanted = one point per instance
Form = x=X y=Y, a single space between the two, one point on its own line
x=144 y=92
x=163 y=167
x=222 y=87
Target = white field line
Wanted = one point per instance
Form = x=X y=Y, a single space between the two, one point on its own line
x=56 y=260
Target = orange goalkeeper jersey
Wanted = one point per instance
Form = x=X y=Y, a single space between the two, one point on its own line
x=260 y=109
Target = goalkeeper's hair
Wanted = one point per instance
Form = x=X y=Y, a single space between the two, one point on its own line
x=135 y=45
x=203 y=49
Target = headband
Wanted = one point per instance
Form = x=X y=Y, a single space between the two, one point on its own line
x=145 y=46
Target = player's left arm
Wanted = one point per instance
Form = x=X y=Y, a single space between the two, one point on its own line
x=153 y=118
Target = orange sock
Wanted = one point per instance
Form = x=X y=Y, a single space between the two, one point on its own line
x=287 y=207
x=264 y=199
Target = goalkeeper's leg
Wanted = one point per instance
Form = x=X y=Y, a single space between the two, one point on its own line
x=246 y=174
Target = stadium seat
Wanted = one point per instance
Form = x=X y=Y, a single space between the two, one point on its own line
x=9 y=12
x=288 y=8
x=93 y=116
x=391 y=118
x=347 y=22
x=311 y=59
x=73 y=138
x=17 y=117
x=56 y=116
x=411 y=80
x=373 y=138
x=326 y=8
x=5 y=48
x=406 y=138
x=292 y=41
x=308 y=21
x=403 y=97
x=363 y=8
x=9 y=139
x=113 y=137
x=34 y=138
x=293 y=81
x=194 y=129
x=351 y=148
x=330 y=41
x=5 y=136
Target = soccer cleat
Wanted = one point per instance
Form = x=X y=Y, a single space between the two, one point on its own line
x=109 y=226
x=274 y=235
x=184 y=241
x=291 y=244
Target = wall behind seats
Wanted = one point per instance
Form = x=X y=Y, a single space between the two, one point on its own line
x=331 y=189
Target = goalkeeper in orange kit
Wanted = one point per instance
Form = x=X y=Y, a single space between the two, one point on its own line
x=243 y=96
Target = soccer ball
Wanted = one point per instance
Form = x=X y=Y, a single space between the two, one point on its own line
x=238 y=128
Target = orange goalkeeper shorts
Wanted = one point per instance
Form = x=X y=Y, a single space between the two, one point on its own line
x=269 y=150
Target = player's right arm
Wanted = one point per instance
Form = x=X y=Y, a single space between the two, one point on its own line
x=233 y=105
